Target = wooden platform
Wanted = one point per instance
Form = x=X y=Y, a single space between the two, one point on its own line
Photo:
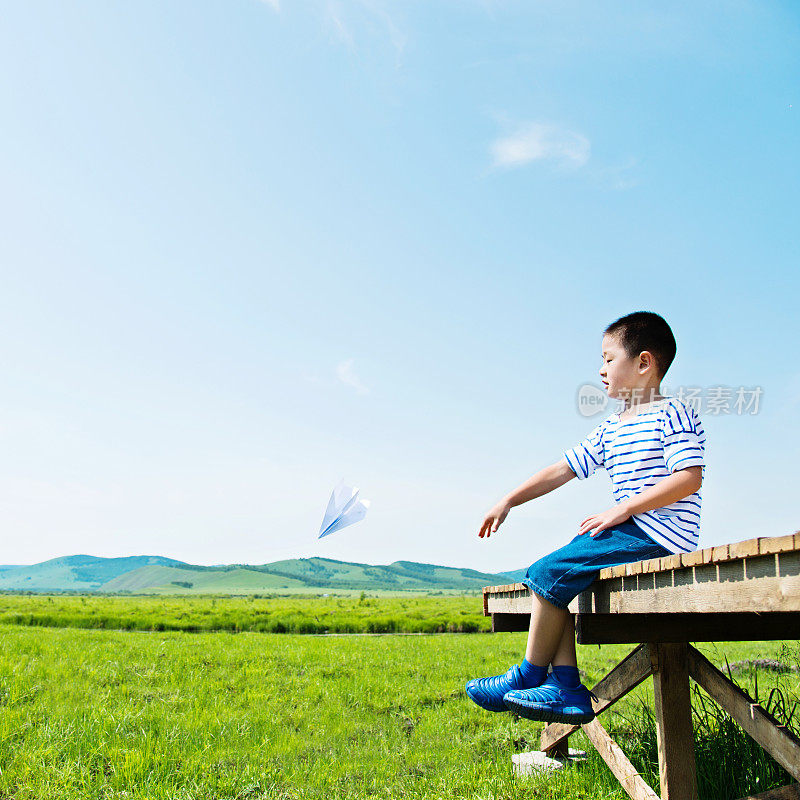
x=752 y=587
x=748 y=590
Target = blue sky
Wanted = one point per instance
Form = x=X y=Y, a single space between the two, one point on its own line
x=250 y=248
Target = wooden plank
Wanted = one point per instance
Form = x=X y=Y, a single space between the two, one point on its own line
x=763 y=583
x=634 y=568
x=627 y=675
x=676 y=764
x=710 y=555
x=746 y=626
x=670 y=562
x=693 y=559
x=749 y=547
x=776 y=739
x=632 y=782
x=509 y=587
x=510 y=604
x=777 y=544
x=720 y=553
x=766 y=582
x=791 y=792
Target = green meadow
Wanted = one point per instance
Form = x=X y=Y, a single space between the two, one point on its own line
x=262 y=614
x=90 y=713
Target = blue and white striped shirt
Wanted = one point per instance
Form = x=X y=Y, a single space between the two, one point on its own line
x=637 y=453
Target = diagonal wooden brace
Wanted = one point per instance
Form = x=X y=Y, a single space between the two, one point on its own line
x=627 y=675
x=776 y=739
x=632 y=782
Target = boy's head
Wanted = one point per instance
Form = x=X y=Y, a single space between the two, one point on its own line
x=637 y=352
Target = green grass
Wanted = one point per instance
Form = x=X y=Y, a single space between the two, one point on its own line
x=309 y=614
x=116 y=714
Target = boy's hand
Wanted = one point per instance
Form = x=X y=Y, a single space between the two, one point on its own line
x=606 y=519
x=494 y=519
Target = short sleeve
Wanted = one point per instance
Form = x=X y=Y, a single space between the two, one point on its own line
x=587 y=456
x=683 y=438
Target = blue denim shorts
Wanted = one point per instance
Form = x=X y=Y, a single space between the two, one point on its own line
x=565 y=573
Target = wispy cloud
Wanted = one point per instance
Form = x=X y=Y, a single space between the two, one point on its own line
x=337 y=24
x=347 y=375
x=366 y=17
x=276 y=4
x=536 y=141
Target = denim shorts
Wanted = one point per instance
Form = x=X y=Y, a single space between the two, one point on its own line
x=565 y=573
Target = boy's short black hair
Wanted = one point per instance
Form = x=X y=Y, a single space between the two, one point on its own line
x=645 y=330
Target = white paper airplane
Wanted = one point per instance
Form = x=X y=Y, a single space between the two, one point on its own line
x=344 y=508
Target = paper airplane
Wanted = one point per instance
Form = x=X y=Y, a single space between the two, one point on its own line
x=344 y=508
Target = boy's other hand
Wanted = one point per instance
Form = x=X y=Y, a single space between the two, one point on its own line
x=606 y=519
x=494 y=519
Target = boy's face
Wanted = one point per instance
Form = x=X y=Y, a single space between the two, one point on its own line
x=621 y=374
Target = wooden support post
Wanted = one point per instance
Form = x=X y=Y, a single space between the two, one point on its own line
x=632 y=782
x=627 y=675
x=676 y=764
x=776 y=739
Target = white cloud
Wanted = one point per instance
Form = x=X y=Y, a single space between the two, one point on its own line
x=347 y=375
x=276 y=4
x=537 y=141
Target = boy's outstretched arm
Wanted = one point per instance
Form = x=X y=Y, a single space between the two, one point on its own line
x=544 y=481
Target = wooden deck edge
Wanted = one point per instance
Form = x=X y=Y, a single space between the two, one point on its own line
x=735 y=551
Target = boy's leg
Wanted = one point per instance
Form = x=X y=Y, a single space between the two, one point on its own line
x=561 y=576
x=565 y=655
x=544 y=637
x=549 y=626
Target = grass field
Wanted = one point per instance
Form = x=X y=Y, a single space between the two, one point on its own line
x=307 y=614
x=206 y=716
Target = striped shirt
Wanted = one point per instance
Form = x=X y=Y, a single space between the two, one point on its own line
x=637 y=453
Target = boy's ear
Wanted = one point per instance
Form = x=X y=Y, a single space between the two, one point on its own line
x=646 y=359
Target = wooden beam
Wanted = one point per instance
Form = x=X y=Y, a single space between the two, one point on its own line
x=769 y=582
x=502 y=623
x=627 y=675
x=676 y=764
x=776 y=739
x=791 y=792
x=746 y=626
x=765 y=582
x=632 y=782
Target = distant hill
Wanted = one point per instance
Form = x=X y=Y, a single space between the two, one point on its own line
x=516 y=575
x=73 y=573
x=159 y=575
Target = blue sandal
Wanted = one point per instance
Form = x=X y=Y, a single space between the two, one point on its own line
x=552 y=702
x=488 y=693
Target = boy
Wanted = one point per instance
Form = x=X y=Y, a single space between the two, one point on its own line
x=653 y=451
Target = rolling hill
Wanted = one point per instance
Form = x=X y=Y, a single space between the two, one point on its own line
x=73 y=573
x=159 y=575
